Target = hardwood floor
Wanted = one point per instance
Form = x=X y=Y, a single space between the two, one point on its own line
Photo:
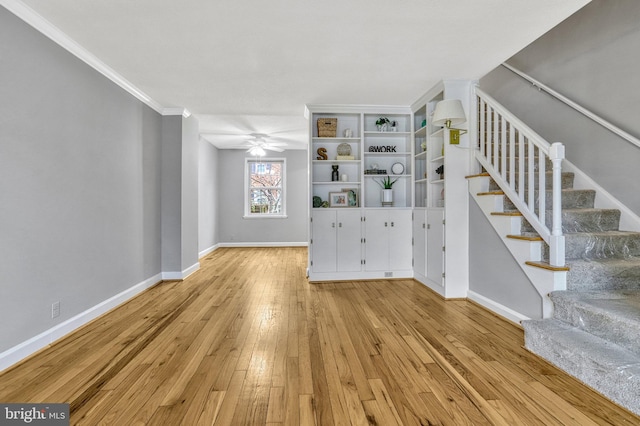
x=247 y=340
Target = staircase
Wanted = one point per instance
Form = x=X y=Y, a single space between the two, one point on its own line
x=593 y=329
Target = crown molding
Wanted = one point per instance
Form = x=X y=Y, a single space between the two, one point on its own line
x=32 y=18
x=366 y=109
x=176 y=111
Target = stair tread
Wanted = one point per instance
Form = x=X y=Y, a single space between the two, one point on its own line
x=526 y=237
x=589 y=210
x=622 y=262
x=485 y=174
x=507 y=213
x=605 y=233
x=547 y=266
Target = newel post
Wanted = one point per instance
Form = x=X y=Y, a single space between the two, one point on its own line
x=556 y=241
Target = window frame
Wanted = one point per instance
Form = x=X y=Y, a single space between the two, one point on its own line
x=247 y=189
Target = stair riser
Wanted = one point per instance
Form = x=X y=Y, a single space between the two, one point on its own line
x=616 y=376
x=592 y=275
x=566 y=183
x=589 y=246
x=571 y=199
x=603 y=323
x=583 y=221
x=548 y=165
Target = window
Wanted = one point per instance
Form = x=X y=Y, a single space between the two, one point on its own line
x=264 y=188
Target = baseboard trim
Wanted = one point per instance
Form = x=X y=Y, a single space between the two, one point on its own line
x=264 y=244
x=497 y=308
x=205 y=252
x=180 y=275
x=29 y=347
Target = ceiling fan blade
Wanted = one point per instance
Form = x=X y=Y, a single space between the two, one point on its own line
x=273 y=148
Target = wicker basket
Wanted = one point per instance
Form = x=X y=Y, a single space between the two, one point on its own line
x=327 y=127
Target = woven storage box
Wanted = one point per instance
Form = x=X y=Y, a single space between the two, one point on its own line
x=327 y=127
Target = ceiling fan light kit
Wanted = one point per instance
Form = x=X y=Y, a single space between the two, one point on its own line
x=259 y=144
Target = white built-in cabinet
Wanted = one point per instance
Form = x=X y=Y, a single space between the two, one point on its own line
x=419 y=238
x=435 y=246
x=424 y=233
x=375 y=153
x=337 y=240
x=388 y=240
x=440 y=216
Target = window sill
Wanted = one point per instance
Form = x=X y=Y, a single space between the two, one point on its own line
x=266 y=216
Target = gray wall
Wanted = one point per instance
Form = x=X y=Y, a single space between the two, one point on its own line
x=235 y=229
x=80 y=185
x=493 y=272
x=189 y=205
x=208 y=193
x=592 y=58
x=171 y=193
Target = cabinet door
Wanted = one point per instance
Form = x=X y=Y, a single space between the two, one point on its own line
x=323 y=236
x=435 y=244
x=419 y=241
x=377 y=240
x=400 y=231
x=349 y=240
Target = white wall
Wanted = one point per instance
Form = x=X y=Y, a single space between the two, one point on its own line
x=234 y=229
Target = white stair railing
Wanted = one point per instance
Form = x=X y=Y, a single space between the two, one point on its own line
x=516 y=158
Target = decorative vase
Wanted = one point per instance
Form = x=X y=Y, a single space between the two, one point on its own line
x=387 y=197
x=335 y=173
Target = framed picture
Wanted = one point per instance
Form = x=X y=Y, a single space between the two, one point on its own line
x=338 y=199
x=352 y=196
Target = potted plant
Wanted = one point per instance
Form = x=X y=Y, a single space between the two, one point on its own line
x=387 y=190
x=382 y=123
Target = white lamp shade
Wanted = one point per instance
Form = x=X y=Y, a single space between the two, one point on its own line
x=448 y=110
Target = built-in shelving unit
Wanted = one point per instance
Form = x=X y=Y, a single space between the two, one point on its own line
x=390 y=151
x=324 y=155
x=440 y=217
x=377 y=152
x=423 y=233
x=420 y=157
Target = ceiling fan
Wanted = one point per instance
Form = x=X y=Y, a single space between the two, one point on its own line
x=259 y=143
x=243 y=131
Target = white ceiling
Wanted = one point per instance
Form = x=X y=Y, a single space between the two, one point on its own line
x=251 y=66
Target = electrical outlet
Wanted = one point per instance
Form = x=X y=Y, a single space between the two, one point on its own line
x=55 y=309
x=388 y=274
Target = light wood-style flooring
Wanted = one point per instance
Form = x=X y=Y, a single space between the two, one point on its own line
x=247 y=340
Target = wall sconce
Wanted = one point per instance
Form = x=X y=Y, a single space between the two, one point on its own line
x=447 y=113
